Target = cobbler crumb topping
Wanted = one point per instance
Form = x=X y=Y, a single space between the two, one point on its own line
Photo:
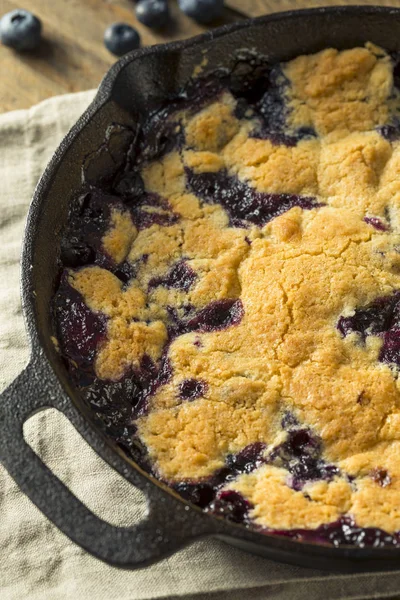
x=229 y=304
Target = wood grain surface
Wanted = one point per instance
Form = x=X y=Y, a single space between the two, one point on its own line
x=256 y=8
x=72 y=56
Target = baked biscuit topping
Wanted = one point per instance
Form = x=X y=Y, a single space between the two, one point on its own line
x=230 y=304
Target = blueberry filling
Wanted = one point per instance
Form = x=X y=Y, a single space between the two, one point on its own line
x=216 y=316
x=391 y=131
x=203 y=493
x=344 y=531
x=90 y=219
x=300 y=454
x=232 y=506
x=243 y=203
x=129 y=185
x=163 y=132
x=248 y=459
x=180 y=277
x=380 y=318
x=75 y=252
x=79 y=330
x=264 y=98
x=190 y=389
x=117 y=403
x=377 y=223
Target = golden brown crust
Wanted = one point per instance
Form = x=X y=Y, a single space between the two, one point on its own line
x=340 y=92
x=119 y=238
x=295 y=277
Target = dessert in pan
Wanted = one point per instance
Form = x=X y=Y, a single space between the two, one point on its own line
x=229 y=301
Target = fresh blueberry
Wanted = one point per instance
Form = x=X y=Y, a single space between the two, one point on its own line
x=120 y=38
x=153 y=13
x=20 y=30
x=203 y=11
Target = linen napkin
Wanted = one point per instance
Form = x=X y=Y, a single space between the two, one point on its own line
x=37 y=561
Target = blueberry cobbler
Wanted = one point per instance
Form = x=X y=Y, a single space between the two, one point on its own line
x=229 y=303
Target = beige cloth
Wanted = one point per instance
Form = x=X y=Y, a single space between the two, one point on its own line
x=37 y=561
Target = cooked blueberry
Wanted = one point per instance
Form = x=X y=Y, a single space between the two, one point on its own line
x=381 y=318
x=190 y=389
x=153 y=13
x=21 y=30
x=378 y=317
x=248 y=82
x=200 y=494
x=75 y=252
x=130 y=185
x=120 y=38
x=160 y=134
x=300 y=454
x=391 y=131
x=79 y=330
x=390 y=351
x=180 y=277
x=231 y=505
x=203 y=11
x=203 y=493
x=125 y=272
x=248 y=459
x=118 y=403
x=217 y=315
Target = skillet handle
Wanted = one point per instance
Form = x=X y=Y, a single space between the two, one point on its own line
x=168 y=525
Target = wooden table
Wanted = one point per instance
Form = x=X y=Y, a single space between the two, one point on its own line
x=72 y=56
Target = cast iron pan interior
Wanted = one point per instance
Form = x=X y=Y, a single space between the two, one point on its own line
x=134 y=84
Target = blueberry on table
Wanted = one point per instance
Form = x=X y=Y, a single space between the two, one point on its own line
x=120 y=38
x=21 y=30
x=153 y=13
x=203 y=11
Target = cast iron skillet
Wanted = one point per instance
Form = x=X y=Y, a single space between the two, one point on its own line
x=134 y=84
